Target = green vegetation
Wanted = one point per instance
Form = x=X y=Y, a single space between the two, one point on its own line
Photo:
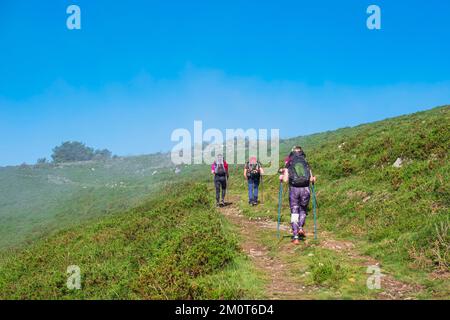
x=396 y=210
x=327 y=269
x=167 y=248
x=73 y=151
x=118 y=219
x=38 y=200
x=399 y=215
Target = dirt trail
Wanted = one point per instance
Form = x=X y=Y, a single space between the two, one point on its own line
x=280 y=284
x=273 y=268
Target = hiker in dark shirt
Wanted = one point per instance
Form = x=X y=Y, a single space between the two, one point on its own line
x=219 y=169
x=252 y=173
x=299 y=175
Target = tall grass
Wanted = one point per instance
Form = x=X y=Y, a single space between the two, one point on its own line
x=174 y=246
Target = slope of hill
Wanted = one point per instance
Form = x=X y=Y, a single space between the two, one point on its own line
x=176 y=245
x=399 y=215
x=40 y=199
x=170 y=247
x=405 y=209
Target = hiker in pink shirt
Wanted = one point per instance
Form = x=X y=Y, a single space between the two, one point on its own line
x=220 y=171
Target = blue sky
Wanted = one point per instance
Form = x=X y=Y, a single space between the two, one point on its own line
x=137 y=70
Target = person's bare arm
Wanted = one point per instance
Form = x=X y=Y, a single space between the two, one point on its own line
x=284 y=175
x=245 y=173
x=312 y=177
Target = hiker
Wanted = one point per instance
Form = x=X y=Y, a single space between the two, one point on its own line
x=252 y=173
x=299 y=175
x=220 y=171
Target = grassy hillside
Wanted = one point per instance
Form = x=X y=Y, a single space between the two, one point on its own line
x=38 y=200
x=402 y=212
x=136 y=234
x=171 y=247
x=399 y=215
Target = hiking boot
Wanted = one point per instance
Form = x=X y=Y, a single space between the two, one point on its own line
x=217 y=204
x=301 y=233
x=222 y=203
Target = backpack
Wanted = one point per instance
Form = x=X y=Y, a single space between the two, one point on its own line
x=220 y=169
x=298 y=169
x=253 y=170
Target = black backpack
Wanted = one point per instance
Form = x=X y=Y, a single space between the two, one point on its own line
x=253 y=171
x=298 y=169
x=220 y=170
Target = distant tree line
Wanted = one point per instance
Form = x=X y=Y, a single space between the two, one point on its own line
x=73 y=151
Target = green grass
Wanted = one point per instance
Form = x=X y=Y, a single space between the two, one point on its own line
x=168 y=248
x=36 y=201
x=398 y=215
x=335 y=275
x=326 y=269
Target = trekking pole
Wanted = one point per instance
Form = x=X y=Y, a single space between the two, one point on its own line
x=262 y=189
x=214 y=183
x=314 y=211
x=280 y=194
x=226 y=187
